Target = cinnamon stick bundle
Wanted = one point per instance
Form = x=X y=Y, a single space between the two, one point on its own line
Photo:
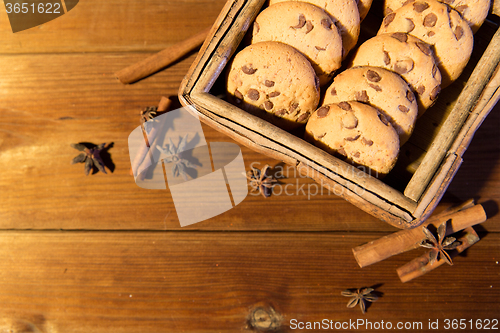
x=406 y=240
x=421 y=265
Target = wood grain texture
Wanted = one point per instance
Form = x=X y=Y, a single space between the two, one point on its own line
x=210 y=282
x=45 y=107
x=162 y=59
x=116 y=25
x=104 y=255
x=92 y=106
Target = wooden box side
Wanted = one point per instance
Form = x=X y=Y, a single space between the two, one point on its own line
x=449 y=133
x=489 y=97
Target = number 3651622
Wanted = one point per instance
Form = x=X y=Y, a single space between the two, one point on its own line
x=40 y=8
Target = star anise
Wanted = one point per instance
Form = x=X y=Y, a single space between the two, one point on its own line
x=359 y=296
x=260 y=181
x=439 y=246
x=148 y=113
x=174 y=155
x=90 y=156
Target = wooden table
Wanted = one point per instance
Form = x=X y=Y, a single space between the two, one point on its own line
x=99 y=254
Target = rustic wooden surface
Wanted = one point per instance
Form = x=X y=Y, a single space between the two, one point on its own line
x=99 y=254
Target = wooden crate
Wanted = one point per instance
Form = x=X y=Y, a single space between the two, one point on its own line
x=427 y=162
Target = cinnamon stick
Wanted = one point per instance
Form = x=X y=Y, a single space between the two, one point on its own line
x=409 y=239
x=421 y=265
x=161 y=59
x=140 y=157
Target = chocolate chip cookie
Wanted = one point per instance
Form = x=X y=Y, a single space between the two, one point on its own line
x=438 y=25
x=473 y=11
x=274 y=81
x=357 y=132
x=307 y=28
x=345 y=15
x=381 y=88
x=408 y=56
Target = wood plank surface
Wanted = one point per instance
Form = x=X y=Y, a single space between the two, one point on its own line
x=41 y=117
x=116 y=25
x=211 y=281
x=99 y=254
x=92 y=106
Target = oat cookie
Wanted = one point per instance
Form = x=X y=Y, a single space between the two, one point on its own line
x=440 y=26
x=473 y=11
x=275 y=82
x=345 y=14
x=357 y=131
x=409 y=57
x=380 y=88
x=306 y=27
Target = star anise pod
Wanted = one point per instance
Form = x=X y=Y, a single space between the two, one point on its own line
x=359 y=296
x=90 y=156
x=148 y=113
x=174 y=155
x=260 y=181
x=439 y=246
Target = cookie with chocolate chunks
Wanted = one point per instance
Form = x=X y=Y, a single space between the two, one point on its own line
x=408 y=56
x=440 y=26
x=380 y=88
x=274 y=81
x=357 y=132
x=307 y=28
x=344 y=14
x=473 y=11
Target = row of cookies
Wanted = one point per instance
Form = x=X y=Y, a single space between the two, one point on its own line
x=296 y=47
x=367 y=114
x=280 y=84
x=397 y=75
x=426 y=43
x=321 y=33
x=384 y=73
x=324 y=31
x=275 y=82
